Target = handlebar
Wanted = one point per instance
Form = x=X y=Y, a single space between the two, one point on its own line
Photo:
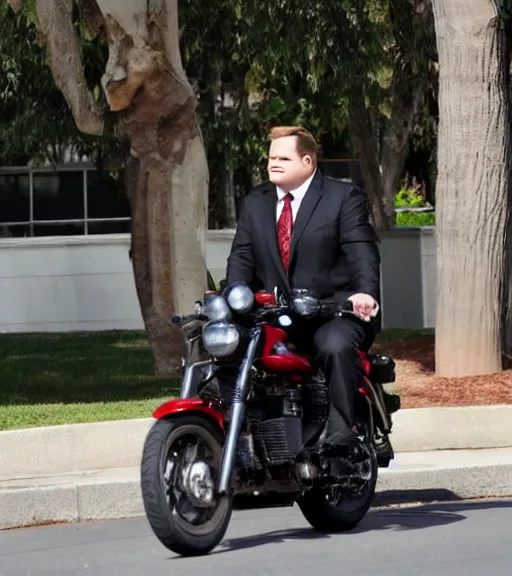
x=325 y=309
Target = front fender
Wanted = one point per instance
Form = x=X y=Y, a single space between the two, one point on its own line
x=190 y=405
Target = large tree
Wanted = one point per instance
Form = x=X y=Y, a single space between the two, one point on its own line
x=473 y=185
x=152 y=106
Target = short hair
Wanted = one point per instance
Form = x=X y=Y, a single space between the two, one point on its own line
x=306 y=143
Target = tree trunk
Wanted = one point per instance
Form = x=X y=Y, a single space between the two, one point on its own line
x=229 y=200
x=472 y=186
x=167 y=245
x=365 y=146
x=144 y=78
x=382 y=172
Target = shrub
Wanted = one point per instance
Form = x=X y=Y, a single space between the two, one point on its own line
x=412 y=195
x=415 y=219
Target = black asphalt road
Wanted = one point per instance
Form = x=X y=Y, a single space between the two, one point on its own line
x=456 y=539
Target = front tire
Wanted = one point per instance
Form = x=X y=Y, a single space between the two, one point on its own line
x=343 y=515
x=178 y=522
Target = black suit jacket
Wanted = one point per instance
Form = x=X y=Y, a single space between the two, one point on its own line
x=334 y=251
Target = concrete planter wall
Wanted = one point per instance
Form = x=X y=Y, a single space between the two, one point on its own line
x=86 y=282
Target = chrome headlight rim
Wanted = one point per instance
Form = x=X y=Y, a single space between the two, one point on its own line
x=240 y=298
x=221 y=339
x=216 y=308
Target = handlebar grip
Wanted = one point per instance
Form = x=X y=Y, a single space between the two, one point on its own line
x=182 y=320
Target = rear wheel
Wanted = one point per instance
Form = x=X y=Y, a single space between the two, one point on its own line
x=341 y=508
x=180 y=468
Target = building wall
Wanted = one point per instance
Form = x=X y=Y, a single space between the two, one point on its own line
x=86 y=283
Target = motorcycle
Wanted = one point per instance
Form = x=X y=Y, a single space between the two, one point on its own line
x=249 y=418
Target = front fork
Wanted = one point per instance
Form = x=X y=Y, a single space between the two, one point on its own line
x=241 y=391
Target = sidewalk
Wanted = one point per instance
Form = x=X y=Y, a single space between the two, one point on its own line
x=115 y=493
x=91 y=471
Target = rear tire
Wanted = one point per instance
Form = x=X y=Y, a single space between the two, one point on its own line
x=162 y=506
x=347 y=513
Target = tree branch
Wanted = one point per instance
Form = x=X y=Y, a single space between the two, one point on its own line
x=56 y=27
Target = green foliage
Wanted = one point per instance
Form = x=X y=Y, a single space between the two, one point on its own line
x=412 y=195
x=254 y=65
x=258 y=64
x=32 y=112
x=35 y=120
x=299 y=60
x=416 y=219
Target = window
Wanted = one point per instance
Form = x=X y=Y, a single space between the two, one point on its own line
x=67 y=201
x=14 y=198
x=58 y=196
x=105 y=196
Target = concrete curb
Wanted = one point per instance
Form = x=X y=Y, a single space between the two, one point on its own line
x=115 y=494
x=102 y=445
x=94 y=496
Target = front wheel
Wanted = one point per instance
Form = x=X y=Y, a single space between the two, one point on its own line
x=336 y=509
x=180 y=466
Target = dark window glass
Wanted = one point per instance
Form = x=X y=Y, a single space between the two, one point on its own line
x=346 y=170
x=108 y=227
x=335 y=169
x=58 y=196
x=14 y=231
x=14 y=198
x=64 y=229
x=106 y=197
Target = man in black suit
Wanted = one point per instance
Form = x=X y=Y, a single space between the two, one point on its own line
x=305 y=230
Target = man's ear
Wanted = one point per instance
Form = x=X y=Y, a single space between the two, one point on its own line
x=307 y=159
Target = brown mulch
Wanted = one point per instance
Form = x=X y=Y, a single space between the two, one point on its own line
x=419 y=387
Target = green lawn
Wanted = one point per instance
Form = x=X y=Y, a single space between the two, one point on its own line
x=48 y=379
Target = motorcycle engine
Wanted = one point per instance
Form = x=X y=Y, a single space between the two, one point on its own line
x=282 y=417
x=279 y=417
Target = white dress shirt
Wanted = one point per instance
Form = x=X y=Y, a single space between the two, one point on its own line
x=298 y=195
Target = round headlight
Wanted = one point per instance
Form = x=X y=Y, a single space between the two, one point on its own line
x=220 y=339
x=216 y=308
x=240 y=298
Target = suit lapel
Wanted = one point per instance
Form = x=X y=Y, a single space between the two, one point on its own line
x=268 y=222
x=307 y=207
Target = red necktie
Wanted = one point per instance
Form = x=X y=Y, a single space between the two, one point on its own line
x=284 y=230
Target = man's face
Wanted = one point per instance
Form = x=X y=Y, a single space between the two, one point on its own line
x=286 y=167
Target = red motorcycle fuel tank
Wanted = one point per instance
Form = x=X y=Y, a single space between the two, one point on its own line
x=277 y=363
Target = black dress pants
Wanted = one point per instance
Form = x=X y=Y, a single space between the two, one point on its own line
x=336 y=345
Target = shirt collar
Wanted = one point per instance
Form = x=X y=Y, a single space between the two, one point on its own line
x=299 y=193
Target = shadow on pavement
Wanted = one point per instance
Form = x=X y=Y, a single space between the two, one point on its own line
x=412 y=517
x=414 y=496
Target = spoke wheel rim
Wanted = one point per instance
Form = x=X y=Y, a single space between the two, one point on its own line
x=190 y=518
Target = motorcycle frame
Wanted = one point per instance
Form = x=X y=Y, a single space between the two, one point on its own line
x=189 y=403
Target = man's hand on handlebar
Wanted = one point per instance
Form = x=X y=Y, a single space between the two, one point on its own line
x=364 y=305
